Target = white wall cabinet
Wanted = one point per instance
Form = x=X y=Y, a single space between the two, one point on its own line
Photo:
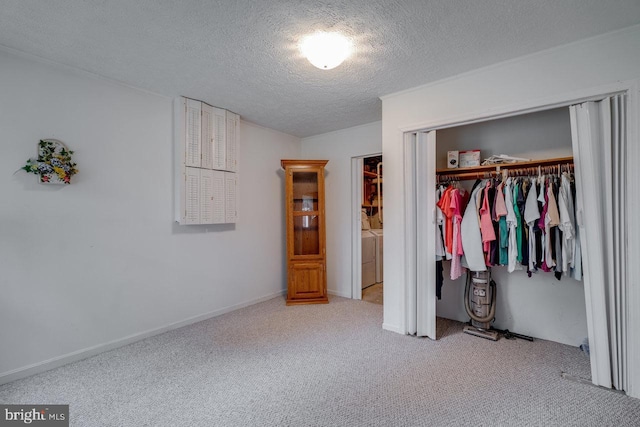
x=206 y=163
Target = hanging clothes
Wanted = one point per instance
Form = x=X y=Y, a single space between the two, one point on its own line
x=551 y=221
x=512 y=224
x=516 y=222
x=440 y=252
x=567 y=224
x=486 y=224
x=503 y=229
x=523 y=233
x=473 y=257
x=531 y=215
x=457 y=205
x=447 y=227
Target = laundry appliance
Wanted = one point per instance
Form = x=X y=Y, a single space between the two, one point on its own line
x=368 y=259
x=378 y=232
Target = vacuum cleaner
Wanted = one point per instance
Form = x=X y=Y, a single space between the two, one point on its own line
x=480 y=304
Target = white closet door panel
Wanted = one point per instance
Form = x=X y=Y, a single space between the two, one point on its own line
x=232 y=141
x=587 y=149
x=219 y=216
x=206 y=196
x=230 y=197
x=206 y=140
x=192 y=196
x=411 y=302
x=192 y=132
x=425 y=232
x=219 y=138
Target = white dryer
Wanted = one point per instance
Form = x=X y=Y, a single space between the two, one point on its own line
x=368 y=259
x=379 y=270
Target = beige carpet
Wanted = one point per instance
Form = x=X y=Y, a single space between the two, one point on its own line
x=325 y=365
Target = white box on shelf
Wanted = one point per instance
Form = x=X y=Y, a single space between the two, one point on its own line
x=469 y=158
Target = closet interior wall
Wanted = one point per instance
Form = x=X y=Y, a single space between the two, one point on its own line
x=540 y=306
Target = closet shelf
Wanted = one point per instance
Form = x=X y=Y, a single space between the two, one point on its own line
x=479 y=171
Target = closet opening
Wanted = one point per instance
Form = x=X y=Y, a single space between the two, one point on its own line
x=531 y=302
x=585 y=300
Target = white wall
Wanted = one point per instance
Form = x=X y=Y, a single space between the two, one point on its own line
x=551 y=76
x=339 y=147
x=539 y=135
x=100 y=262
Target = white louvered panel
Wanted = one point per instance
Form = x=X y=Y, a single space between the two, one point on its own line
x=192 y=196
x=192 y=133
x=206 y=141
x=219 y=138
x=232 y=141
x=230 y=197
x=206 y=196
x=218 y=197
x=206 y=149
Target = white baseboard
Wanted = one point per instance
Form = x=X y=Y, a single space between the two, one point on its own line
x=339 y=294
x=65 y=359
x=392 y=328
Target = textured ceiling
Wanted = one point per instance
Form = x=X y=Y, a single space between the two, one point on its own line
x=242 y=54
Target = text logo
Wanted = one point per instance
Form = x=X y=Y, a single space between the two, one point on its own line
x=34 y=415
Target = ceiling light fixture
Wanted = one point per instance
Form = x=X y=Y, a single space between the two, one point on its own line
x=326 y=50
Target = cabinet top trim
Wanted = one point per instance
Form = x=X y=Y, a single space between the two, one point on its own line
x=302 y=163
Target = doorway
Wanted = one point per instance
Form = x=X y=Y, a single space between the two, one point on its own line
x=367 y=229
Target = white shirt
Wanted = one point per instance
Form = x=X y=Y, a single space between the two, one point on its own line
x=531 y=215
x=471 y=238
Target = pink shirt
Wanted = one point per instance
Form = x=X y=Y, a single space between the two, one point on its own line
x=486 y=226
x=456 y=209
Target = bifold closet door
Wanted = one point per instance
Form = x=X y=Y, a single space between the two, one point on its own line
x=420 y=233
x=598 y=137
x=425 y=233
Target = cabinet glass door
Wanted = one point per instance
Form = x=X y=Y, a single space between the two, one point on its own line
x=306 y=233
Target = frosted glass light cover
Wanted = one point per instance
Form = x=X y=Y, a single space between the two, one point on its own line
x=326 y=50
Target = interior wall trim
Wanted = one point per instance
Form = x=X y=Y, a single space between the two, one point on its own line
x=525 y=107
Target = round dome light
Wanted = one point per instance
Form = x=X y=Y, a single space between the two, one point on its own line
x=326 y=50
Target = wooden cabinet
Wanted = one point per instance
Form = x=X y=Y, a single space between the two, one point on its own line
x=306 y=254
x=206 y=156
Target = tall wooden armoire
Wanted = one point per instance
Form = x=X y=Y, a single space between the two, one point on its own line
x=306 y=253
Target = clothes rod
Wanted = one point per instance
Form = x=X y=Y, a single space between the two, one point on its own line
x=532 y=167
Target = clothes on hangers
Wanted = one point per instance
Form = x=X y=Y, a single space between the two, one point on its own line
x=503 y=231
x=519 y=222
x=531 y=215
x=473 y=258
x=512 y=224
x=457 y=201
x=440 y=252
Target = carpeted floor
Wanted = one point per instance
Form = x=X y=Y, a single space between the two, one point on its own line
x=325 y=365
